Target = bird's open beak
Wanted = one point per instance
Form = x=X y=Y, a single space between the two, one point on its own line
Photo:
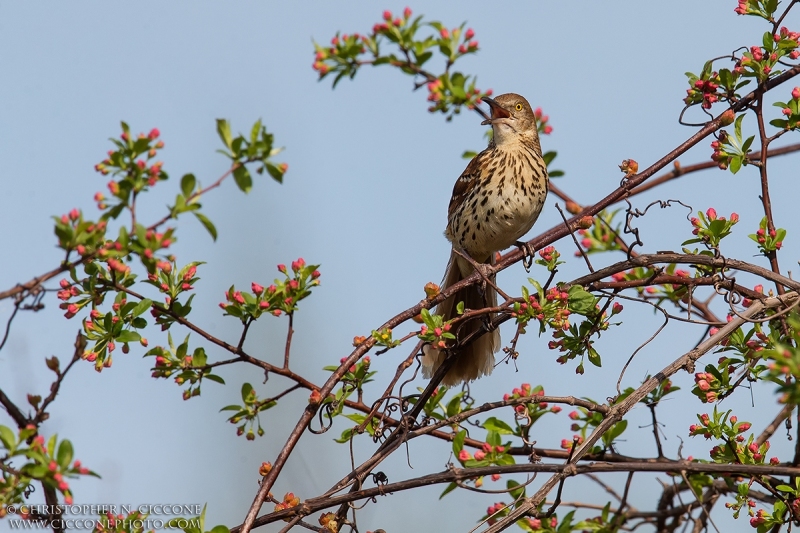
x=497 y=110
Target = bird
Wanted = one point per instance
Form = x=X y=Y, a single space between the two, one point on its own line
x=495 y=202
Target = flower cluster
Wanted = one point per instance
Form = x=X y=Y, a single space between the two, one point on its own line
x=707 y=387
x=182 y=367
x=585 y=421
x=48 y=461
x=530 y=412
x=172 y=283
x=248 y=413
x=551 y=308
x=760 y=61
x=83 y=236
x=790 y=111
x=435 y=330
x=549 y=258
x=735 y=447
x=768 y=240
x=703 y=91
x=447 y=92
x=133 y=160
x=495 y=512
x=280 y=297
x=598 y=236
x=147 y=243
x=710 y=229
x=731 y=151
x=542 y=122
x=289 y=501
x=760 y=8
x=383 y=337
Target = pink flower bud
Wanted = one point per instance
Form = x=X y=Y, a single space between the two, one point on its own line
x=387 y=15
x=407 y=12
x=282 y=268
x=444 y=33
x=470 y=33
x=257 y=289
x=711 y=214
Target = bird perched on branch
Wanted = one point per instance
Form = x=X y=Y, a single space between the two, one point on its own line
x=495 y=201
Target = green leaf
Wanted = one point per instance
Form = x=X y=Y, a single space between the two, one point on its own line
x=246 y=390
x=450 y=488
x=347 y=434
x=422 y=58
x=767 y=40
x=581 y=301
x=515 y=489
x=199 y=357
x=8 y=438
x=128 y=336
x=214 y=378
x=736 y=165
x=207 y=224
x=594 y=357
x=737 y=127
x=65 y=453
x=254 y=131
x=141 y=307
x=458 y=441
x=242 y=178
x=220 y=529
x=617 y=430
x=275 y=172
x=497 y=425
x=231 y=408
x=224 y=131
x=188 y=181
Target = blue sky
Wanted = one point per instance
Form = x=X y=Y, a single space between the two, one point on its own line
x=370 y=176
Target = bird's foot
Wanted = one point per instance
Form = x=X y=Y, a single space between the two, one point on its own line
x=528 y=252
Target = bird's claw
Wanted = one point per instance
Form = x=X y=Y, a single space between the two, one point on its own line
x=485 y=270
x=528 y=252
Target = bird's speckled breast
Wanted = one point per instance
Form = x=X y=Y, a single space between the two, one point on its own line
x=505 y=205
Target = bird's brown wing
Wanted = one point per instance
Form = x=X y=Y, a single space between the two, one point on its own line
x=466 y=182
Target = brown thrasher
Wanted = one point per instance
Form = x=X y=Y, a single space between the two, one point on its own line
x=495 y=202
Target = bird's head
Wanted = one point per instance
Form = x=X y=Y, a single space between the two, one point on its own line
x=512 y=118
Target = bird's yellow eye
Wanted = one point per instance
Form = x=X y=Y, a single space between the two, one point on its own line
x=518 y=107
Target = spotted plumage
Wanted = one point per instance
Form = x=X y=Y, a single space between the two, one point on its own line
x=495 y=202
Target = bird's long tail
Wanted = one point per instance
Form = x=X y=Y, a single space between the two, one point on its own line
x=477 y=358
